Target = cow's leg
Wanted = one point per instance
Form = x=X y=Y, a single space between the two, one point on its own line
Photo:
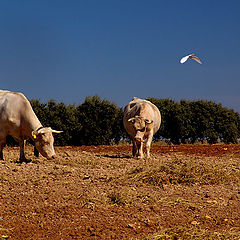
x=148 y=145
x=139 y=149
x=1 y=153
x=22 y=155
x=134 y=148
x=2 y=145
x=36 y=152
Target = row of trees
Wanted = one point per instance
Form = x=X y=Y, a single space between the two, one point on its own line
x=97 y=122
x=197 y=121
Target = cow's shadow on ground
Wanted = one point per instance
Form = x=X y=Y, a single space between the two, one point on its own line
x=27 y=161
x=114 y=156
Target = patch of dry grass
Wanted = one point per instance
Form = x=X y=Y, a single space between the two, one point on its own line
x=170 y=196
x=187 y=233
x=116 y=198
x=186 y=171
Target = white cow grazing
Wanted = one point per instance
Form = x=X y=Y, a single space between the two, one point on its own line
x=18 y=119
x=141 y=120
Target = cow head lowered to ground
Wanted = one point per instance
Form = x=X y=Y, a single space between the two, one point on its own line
x=44 y=140
x=141 y=120
x=18 y=119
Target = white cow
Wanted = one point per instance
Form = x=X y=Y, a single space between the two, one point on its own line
x=18 y=119
x=141 y=120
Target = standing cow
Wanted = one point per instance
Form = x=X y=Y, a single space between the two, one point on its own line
x=18 y=119
x=141 y=120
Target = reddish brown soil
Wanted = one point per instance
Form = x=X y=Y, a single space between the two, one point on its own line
x=86 y=193
x=206 y=150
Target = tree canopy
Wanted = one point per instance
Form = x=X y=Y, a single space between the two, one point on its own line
x=99 y=122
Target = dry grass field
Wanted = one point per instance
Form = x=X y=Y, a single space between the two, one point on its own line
x=182 y=192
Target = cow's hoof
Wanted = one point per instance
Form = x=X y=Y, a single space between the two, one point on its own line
x=24 y=160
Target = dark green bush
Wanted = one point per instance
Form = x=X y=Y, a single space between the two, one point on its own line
x=97 y=122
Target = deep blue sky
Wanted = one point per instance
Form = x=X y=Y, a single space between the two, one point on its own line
x=70 y=49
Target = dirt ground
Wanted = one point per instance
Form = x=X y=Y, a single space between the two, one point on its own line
x=182 y=192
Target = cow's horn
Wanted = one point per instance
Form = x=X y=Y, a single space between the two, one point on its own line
x=131 y=120
x=55 y=131
x=148 y=121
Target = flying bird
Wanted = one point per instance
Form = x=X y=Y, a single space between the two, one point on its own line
x=191 y=56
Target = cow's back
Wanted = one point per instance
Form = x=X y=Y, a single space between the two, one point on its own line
x=11 y=105
x=16 y=114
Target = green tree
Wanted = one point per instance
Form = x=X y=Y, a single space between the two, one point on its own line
x=64 y=118
x=40 y=110
x=171 y=124
x=227 y=124
x=99 y=120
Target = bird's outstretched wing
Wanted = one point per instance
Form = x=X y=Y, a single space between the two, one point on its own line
x=191 y=56
x=196 y=59
x=184 y=59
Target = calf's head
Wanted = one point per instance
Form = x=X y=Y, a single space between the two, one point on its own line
x=43 y=140
x=140 y=126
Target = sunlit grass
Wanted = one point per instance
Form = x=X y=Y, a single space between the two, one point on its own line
x=193 y=233
x=186 y=171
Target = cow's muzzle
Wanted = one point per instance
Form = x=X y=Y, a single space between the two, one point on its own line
x=139 y=140
x=50 y=158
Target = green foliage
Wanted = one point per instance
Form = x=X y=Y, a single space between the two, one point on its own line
x=172 y=123
x=100 y=121
x=58 y=117
x=94 y=122
x=40 y=110
x=97 y=122
x=197 y=121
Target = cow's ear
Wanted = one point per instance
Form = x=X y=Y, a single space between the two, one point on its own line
x=131 y=120
x=34 y=134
